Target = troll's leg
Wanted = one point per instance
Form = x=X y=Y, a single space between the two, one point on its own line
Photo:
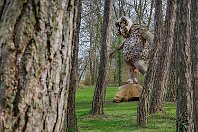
x=141 y=66
x=132 y=73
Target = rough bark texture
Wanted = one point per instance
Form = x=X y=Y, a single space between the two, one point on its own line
x=157 y=93
x=142 y=111
x=184 y=86
x=171 y=81
x=194 y=51
x=163 y=59
x=35 y=51
x=148 y=83
x=99 y=95
x=71 y=107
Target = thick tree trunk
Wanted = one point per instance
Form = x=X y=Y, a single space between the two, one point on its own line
x=99 y=95
x=163 y=59
x=35 y=51
x=194 y=51
x=184 y=86
x=148 y=83
x=156 y=95
x=71 y=107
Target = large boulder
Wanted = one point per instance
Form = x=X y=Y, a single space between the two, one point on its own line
x=128 y=92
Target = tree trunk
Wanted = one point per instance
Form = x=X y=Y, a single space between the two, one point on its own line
x=119 y=66
x=142 y=111
x=71 y=107
x=99 y=95
x=163 y=58
x=184 y=86
x=35 y=56
x=119 y=63
x=194 y=51
x=144 y=98
x=119 y=42
x=150 y=14
x=91 y=55
x=171 y=80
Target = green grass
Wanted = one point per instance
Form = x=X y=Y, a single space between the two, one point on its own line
x=119 y=117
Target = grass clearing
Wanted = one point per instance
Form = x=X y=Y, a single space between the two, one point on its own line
x=119 y=117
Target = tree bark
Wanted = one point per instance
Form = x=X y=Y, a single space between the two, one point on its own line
x=163 y=58
x=184 y=86
x=99 y=94
x=119 y=64
x=142 y=111
x=35 y=61
x=194 y=56
x=144 y=98
x=171 y=80
x=71 y=107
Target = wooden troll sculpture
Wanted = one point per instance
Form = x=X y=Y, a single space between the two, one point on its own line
x=136 y=45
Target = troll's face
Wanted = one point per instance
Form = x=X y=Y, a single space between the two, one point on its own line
x=123 y=26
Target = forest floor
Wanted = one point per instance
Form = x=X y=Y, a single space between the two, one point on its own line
x=119 y=117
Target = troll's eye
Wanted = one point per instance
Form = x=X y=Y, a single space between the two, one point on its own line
x=117 y=24
x=125 y=22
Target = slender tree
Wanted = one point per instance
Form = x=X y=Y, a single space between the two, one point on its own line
x=121 y=12
x=171 y=79
x=35 y=57
x=194 y=52
x=99 y=94
x=92 y=37
x=163 y=58
x=183 y=61
x=150 y=13
x=71 y=107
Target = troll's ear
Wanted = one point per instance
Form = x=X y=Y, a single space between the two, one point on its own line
x=117 y=24
x=124 y=20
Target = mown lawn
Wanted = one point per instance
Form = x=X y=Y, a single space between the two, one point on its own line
x=119 y=117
